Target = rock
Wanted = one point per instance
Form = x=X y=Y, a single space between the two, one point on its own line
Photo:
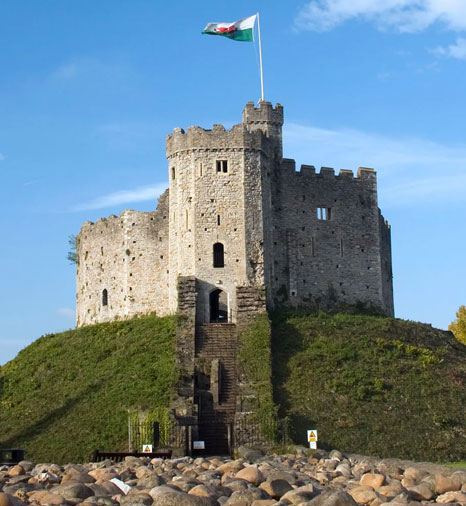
x=5 y=499
x=448 y=497
x=210 y=491
x=136 y=498
x=415 y=473
x=16 y=470
x=335 y=454
x=298 y=495
x=282 y=475
x=44 y=497
x=250 y=454
x=246 y=497
x=372 y=480
x=363 y=494
x=78 y=477
x=444 y=484
x=421 y=492
x=263 y=502
x=390 y=491
x=73 y=490
x=251 y=474
x=166 y=496
x=276 y=488
x=235 y=485
x=332 y=497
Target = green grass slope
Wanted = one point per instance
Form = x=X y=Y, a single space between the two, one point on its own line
x=372 y=385
x=68 y=393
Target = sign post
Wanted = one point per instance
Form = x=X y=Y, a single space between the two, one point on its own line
x=312 y=439
x=146 y=448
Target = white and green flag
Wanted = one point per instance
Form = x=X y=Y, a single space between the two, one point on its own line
x=242 y=30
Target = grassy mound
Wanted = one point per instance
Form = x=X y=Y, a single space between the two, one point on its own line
x=68 y=394
x=372 y=385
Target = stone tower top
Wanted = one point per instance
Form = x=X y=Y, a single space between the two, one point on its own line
x=267 y=119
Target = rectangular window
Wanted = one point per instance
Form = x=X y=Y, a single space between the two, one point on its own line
x=324 y=213
x=218 y=219
x=222 y=166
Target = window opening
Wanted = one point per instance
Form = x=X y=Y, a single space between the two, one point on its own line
x=218 y=250
x=324 y=213
x=104 y=297
x=222 y=165
x=173 y=172
x=218 y=219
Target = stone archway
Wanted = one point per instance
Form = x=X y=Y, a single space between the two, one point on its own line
x=218 y=302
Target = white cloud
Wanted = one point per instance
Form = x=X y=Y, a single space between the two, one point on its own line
x=403 y=15
x=151 y=192
x=410 y=170
x=457 y=50
x=67 y=312
x=87 y=67
x=2 y=157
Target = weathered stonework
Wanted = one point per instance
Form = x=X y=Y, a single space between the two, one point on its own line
x=300 y=237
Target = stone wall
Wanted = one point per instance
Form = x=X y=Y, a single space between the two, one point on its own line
x=328 y=243
x=127 y=256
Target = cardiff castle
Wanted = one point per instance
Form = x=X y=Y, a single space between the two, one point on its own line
x=246 y=228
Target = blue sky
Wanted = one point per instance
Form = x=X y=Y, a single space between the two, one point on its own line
x=88 y=91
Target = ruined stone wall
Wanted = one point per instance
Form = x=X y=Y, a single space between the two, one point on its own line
x=209 y=206
x=386 y=264
x=126 y=255
x=335 y=259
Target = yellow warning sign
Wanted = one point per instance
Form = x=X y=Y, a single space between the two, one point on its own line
x=146 y=448
x=311 y=435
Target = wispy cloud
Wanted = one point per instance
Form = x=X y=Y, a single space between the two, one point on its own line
x=118 y=198
x=457 y=50
x=2 y=157
x=402 y=15
x=408 y=168
x=67 y=312
x=86 y=67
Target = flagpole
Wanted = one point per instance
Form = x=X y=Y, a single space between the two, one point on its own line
x=260 y=57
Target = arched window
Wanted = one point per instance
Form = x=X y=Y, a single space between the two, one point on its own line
x=219 y=260
x=104 y=297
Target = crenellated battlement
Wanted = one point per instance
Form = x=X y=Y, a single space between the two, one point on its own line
x=265 y=113
x=288 y=166
x=217 y=138
x=261 y=126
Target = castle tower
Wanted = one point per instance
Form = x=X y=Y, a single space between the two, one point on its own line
x=216 y=227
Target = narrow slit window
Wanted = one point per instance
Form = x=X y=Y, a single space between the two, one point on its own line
x=341 y=248
x=324 y=213
x=104 y=297
x=222 y=166
x=219 y=255
x=218 y=219
x=173 y=173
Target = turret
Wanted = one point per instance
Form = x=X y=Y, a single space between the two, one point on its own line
x=267 y=119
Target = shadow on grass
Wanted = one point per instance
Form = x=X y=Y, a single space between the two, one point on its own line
x=39 y=426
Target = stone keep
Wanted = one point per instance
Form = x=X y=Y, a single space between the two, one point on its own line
x=239 y=216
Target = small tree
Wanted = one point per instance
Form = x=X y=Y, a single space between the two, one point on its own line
x=72 y=255
x=458 y=326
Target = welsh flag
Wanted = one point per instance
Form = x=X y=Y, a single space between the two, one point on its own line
x=242 y=30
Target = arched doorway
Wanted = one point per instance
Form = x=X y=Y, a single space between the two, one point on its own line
x=218 y=300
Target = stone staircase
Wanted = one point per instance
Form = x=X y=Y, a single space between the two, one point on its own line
x=217 y=341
